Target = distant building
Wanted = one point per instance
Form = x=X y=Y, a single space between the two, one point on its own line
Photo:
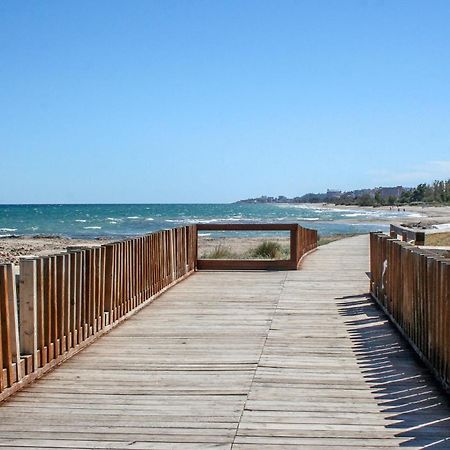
x=360 y=192
x=394 y=192
x=333 y=194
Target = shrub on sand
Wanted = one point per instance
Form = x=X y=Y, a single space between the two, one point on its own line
x=220 y=252
x=268 y=250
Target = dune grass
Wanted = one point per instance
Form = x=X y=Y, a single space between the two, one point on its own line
x=437 y=239
x=265 y=250
x=269 y=250
x=220 y=252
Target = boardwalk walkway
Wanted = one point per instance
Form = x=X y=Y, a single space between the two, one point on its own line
x=256 y=360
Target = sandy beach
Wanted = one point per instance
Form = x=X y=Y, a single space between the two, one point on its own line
x=425 y=216
x=12 y=248
x=431 y=218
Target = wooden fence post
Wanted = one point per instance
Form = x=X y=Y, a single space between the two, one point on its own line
x=294 y=253
x=7 y=374
x=14 y=319
x=28 y=310
x=109 y=282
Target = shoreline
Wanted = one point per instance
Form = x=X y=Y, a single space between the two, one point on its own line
x=431 y=219
x=424 y=215
x=12 y=248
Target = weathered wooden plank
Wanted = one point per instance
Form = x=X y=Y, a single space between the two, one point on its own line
x=251 y=360
x=11 y=295
x=28 y=309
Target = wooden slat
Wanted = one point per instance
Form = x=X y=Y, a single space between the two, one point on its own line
x=6 y=331
x=13 y=318
x=28 y=310
x=412 y=285
x=40 y=304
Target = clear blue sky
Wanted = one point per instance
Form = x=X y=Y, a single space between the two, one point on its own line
x=212 y=101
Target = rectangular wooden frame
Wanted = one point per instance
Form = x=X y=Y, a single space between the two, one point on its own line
x=408 y=235
x=253 y=264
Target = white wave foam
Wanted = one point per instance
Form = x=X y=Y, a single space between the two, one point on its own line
x=415 y=215
x=80 y=220
x=290 y=205
x=442 y=226
x=133 y=217
x=6 y=235
x=204 y=234
x=309 y=219
x=149 y=218
x=357 y=214
x=92 y=228
x=8 y=229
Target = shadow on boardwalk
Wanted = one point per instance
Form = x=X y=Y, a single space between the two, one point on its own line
x=413 y=404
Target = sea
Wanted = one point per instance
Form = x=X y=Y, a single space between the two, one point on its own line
x=119 y=221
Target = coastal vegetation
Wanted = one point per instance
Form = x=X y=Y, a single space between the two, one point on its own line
x=438 y=239
x=265 y=250
x=436 y=193
x=270 y=250
x=220 y=251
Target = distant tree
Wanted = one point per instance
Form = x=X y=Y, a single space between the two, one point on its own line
x=418 y=194
x=366 y=200
x=391 y=200
x=405 y=197
x=378 y=198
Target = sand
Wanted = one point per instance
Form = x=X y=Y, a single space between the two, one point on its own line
x=429 y=215
x=236 y=245
x=12 y=248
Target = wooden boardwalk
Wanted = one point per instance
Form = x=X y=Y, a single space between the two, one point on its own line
x=255 y=360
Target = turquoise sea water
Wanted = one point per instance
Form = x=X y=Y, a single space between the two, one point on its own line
x=90 y=221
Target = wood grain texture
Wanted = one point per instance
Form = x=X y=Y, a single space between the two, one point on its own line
x=71 y=298
x=407 y=234
x=242 y=360
x=412 y=285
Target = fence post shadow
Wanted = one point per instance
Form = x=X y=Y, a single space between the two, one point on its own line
x=414 y=405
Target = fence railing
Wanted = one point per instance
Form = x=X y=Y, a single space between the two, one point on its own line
x=412 y=285
x=68 y=300
x=302 y=241
x=407 y=235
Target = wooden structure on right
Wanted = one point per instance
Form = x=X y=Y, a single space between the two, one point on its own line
x=302 y=241
x=407 y=234
x=412 y=286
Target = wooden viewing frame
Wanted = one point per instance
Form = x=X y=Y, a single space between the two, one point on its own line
x=408 y=235
x=298 y=248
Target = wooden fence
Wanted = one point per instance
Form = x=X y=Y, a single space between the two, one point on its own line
x=302 y=241
x=68 y=300
x=407 y=235
x=412 y=285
